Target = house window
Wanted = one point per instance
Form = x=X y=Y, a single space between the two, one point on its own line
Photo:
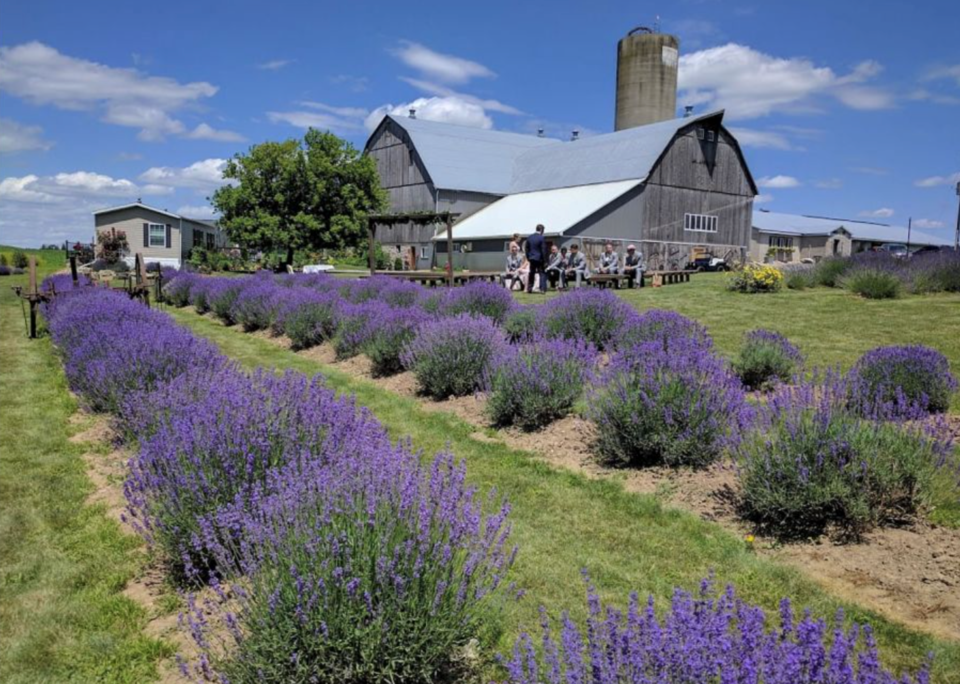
x=700 y=223
x=158 y=235
x=700 y=133
x=711 y=136
x=210 y=241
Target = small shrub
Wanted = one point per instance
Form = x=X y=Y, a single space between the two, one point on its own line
x=522 y=324
x=900 y=382
x=222 y=295
x=662 y=327
x=595 y=316
x=390 y=335
x=4 y=260
x=811 y=465
x=754 y=278
x=452 y=356
x=402 y=293
x=680 y=406
x=307 y=317
x=177 y=291
x=20 y=259
x=5 y=270
x=799 y=277
x=829 y=271
x=356 y=324
x=480 y=299
x=257 y=304
x=199 y=295
x=700 y=639
x=872 y=283
x=765 y=358
x=935 y=271
x=539 y=382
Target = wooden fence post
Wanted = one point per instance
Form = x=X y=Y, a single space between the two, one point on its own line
x=34 y=294
x=371 y=227
x=449 y=251
x=73 y=270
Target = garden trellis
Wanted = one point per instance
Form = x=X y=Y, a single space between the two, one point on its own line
x=419 y=218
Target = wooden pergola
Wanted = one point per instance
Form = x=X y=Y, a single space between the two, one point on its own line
x=422 y=218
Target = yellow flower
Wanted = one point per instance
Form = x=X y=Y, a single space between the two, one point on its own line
x=749 y=539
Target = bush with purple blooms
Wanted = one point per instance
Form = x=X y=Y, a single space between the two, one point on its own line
x=199 y=297
x=257 y=304
x=480 y=299
x=810 y=466
x=536 y=383
x=380 y=570
x=522 y=324
x=307 y=317
x=875 y=276
x=654 y=406
x=221 y=295
x=700 y=639
x=392 y=332
x=176 y=291
x=222 y=445
x=452 y=356
x=356 y=324
x=664 y=327
x=402 y=293
x=596 y=316
x=901 y=382
x=765 y=359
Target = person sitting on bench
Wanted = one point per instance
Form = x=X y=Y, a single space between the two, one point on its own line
x=576 y=269
x=633 y=266
x=556 y=263
x=609 y=261
x=514 y=267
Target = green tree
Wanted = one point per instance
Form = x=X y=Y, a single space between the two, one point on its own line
x=292 y=195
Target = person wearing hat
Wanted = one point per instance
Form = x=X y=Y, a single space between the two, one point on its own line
x=633 y=266
x=576 y=266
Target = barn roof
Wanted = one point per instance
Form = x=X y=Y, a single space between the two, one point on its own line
x=794 y=224
x=629 y=154
x=466 y=158
x=557 y=209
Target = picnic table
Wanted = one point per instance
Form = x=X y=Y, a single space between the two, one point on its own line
x=434 y=278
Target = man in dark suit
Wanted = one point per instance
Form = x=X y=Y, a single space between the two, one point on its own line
x=536 y=250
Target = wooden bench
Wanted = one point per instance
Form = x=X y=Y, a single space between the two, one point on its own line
x=615 y=279
x=669 y=277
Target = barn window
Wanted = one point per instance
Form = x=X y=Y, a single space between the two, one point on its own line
x=700 y=133
x=158 y=235
x=711 y=136
x=700 y=223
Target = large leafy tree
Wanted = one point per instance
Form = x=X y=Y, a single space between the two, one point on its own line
x=290 y=195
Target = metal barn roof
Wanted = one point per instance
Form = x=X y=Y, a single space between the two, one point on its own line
x=558 y=210
x=629 y=154
x=794 y=224
x=465 y=158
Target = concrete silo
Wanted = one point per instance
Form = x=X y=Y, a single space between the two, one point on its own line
x=646 y=78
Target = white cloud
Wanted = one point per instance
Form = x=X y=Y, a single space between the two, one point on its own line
x=778 y=182
x=15 y=137
x=951 y=72
x=275 y=64
x=926 y=95
x=927 y=223
x=75 y=186
x=319 y=120
x=444 y=109
x=883 y=212
x=749 y=137
x=41 y=75
x=934 y=181
x=202 y=175
x=357 y=84
x=349 y=112
x=205 y=132
x=443 y=91
x=21 y=190
x=442 y=67
x=202 y=211
x=829 y=184
x=763 y=199
x=750 y=84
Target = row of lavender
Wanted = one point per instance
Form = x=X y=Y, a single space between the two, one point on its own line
x=844 y=451
x=333 y=555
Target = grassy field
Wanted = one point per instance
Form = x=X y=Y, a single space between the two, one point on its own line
x=48 y=260
x=564 y=522
x=63 y=564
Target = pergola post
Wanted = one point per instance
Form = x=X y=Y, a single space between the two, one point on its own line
x=371 y=227
x=449 y=251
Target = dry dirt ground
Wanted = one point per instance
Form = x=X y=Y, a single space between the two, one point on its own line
x=909 y=574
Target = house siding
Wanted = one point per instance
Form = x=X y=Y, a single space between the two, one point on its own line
x=131 y=219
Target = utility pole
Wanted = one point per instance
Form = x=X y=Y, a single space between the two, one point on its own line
x=909 y=229
x=956 y=237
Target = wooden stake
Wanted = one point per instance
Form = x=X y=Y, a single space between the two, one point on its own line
x=373 y=259
x=73 y=271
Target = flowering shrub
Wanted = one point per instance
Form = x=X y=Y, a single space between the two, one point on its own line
x=221 y=295
x=799 y=276
x=307 y=317
x=872 y=282
x=451 y=356
x=935 y=271
x=755 y=278
x=704 y=638
x=522 y=324
x=596 y=316
x=480 y=299
x=402 y=293
x=811 y=464
x=766 y=357
x=663 y=327
x=257 y=303
x=393 y=330
x=538 y=382
x=220 y=442
x=199 y=298
x=901 y=382
x=380 y=570
x=356 y=324
x=829 y=271
x=680 y=406
x=177 y=291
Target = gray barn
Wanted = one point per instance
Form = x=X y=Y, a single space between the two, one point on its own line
x=677 y=189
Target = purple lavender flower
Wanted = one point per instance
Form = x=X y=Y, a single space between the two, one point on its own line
x=658 y=325
x=389 y=333
x=765 y=358
x=480 y=299
x=591 y=315
x=901 y=382
x=307 y=316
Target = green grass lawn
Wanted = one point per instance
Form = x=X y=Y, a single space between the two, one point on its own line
x=564 y=522
x=63 y=563
x=48 y=260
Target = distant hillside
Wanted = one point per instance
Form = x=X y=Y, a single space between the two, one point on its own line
x=48 y=260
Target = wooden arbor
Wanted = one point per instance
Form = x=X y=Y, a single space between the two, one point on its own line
x=420 y=218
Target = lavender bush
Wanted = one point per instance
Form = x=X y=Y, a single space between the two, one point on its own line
x=810 y=465
x=663 y=327
x=596 y=316
x=391 y=333
x=356 y=324
x=451 y=356
x=533 y=385
x=700 y=639
x=766 y=358
x=522 y=324
x=199 y=297
x=221 y=295
x=680 y=406
x=480 y=299
x=176 y=291
x=901 y=382
x=402 y=293
x=380 y=570
x=307 y=317
x=935 y=271
x=257 y=304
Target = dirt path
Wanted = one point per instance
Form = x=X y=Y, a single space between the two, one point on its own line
x=910 y=575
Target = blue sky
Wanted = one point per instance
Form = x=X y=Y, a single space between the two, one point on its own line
x=843 y=108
